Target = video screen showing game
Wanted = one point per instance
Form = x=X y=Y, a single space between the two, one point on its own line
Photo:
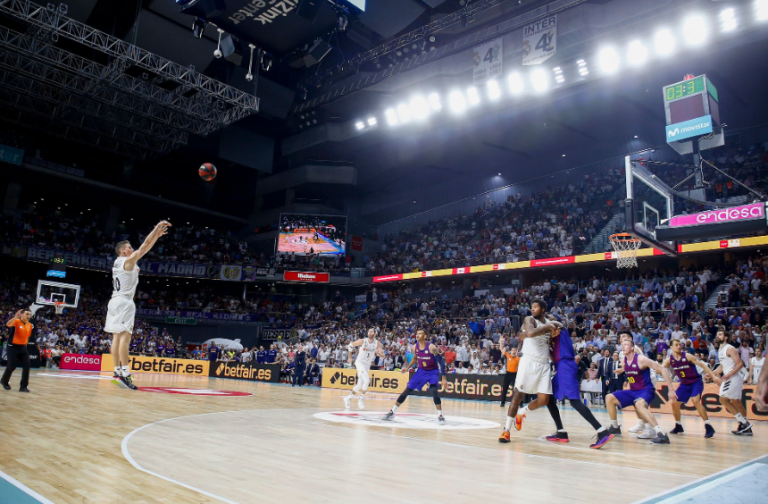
x=312 y=234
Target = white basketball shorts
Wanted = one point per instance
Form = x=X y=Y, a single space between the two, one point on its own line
x=731 y=388
x=533 y=377
x=121 y=313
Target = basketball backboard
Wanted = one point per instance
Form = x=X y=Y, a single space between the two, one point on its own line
x=49 y=293
x=649 y=203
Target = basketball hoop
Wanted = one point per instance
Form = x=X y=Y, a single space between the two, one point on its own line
x=625 y=245
x=59 y=307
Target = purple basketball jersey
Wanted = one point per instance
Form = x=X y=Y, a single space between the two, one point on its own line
x=684 y=370
x=638 y=379
x=427 y=361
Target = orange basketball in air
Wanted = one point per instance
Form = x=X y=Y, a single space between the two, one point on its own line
x=207 y=172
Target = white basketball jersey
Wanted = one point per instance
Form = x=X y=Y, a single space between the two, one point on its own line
x=124 y=282
x=367 y=352
x=727 y=362
x=537 y=347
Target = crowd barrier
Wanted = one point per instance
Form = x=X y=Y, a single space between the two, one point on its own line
x=160 y=365
x=246 y=371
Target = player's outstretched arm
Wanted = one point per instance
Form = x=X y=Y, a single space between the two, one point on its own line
x=160 y=229
x=645 y=362
x=696 y=362
x=15 y=317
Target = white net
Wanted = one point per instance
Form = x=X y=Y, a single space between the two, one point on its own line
x=59 y=307
x=626 y=248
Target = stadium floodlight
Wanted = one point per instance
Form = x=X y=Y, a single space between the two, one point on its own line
x=539 y=80
x=516 y=84
x=609 y=60
x=359 y=125
x=473 y=97
x=559 y=75
x=419 y=107
x=371 y=121
x=761 y=10
x=728 y=19
x=583 y=70
x=664 y=42
x=637 y=54
x=391 y=116
x=434 y=102
x=404 y=113
x=457 y=102
x=494 y=91
x=695 y=30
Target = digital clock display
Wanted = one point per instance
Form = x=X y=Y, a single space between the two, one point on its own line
x=685 y=88
x=57 y=260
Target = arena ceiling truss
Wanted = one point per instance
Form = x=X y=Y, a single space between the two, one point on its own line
x=101 y=91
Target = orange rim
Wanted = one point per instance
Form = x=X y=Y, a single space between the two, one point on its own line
x=623 y=237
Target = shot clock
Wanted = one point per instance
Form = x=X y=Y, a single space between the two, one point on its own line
x=692 y=110
x=57 y=267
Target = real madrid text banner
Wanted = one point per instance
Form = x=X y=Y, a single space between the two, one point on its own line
x=540 y=41
x=486 y=59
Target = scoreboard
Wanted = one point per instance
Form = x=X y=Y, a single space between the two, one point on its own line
x=57 y=267
x=692 y=110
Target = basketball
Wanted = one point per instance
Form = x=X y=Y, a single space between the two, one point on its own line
x=207 y=172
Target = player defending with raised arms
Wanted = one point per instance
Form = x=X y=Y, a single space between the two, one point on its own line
x=637 y=368
x=430 y=366
x=369 y=349
x=732 y=385
x=691 y=385
x=533 y=369
x=121 y=310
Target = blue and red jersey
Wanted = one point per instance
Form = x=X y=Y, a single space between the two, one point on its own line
x=562 y=346
x=426 y=360
x=638 y=378
x=684 y=370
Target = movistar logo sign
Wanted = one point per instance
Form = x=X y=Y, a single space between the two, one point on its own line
x=689 y=129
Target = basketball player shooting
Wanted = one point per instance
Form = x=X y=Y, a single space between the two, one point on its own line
x=369 y=349
x=533 y=370
x=121 y=310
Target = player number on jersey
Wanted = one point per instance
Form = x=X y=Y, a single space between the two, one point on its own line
x=631 y=379
x=117 y=284
x=682 y=374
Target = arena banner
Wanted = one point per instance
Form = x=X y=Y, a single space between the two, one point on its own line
x=487 y=61
x=381 y=381
x=246 y=371
x=80 y=362
x=160 y=365
x=198 y=315
x=357 y=243
x=540 y=41
x=273 y=334
x=711 y=400
x=231 y=273
x=305 y=276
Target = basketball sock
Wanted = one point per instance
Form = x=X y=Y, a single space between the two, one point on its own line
x=658 y=429
x=706 y=422
x=614 y=423
x=640 y=423
x=740 y=418
x=648 y=426
x=523 y=411
x=118 y=371
x=126 y=371
x=509 y=423
x=394 y=408
x=679 y=423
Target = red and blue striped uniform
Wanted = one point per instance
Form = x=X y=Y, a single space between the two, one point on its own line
x=565 y=383
x=640 y=384
x=691 y=384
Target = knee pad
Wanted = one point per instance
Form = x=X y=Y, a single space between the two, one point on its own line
x=435 y=397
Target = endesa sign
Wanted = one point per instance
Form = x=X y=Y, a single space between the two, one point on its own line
x=80 y=362
x=738 y=213
x=303 y=276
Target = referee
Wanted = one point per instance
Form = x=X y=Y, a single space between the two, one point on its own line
x=17 y=349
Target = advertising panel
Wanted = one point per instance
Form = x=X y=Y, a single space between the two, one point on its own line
x=303 y=276
x=246 y=371
x=710 y=398
x=381 y=381
x=160 y=365
x=80 y=362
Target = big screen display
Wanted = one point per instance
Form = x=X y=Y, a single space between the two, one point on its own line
x=312 y=234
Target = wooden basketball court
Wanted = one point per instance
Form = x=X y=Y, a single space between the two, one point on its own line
x=80 y=439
